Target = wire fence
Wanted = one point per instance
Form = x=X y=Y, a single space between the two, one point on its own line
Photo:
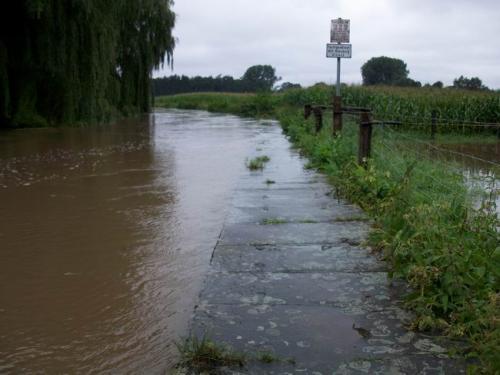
x=476 y=163
x=446 y=125
x=433 y=146
x=399 y=143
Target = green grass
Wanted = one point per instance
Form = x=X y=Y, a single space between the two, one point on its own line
x=424 y=219
x=427 y=229
x=273 y=221
x=249 y=105
x=258 y=163
x=462 y=136
x=346 y=219
x=205 y=356
x=267 y=357
x=409 y=105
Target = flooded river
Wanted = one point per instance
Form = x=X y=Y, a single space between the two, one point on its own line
x=105 y=235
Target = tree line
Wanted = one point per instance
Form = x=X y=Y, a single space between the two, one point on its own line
x=390 y=71
x=376 y=71
x=80 y=61
x=256 y=78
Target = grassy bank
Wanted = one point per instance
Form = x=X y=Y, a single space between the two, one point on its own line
x=424 y=220
x=250 y=105
x=426 y=228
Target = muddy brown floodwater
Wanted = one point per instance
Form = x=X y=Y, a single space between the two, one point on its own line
x=481 y=158
x=105 y=234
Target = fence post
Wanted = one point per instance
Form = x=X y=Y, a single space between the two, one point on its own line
x=365 y=138
x=318 y=117
x=307 y=111
x=337 y=115
x=433 y=125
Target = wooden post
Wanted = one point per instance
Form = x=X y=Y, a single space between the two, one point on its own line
x=337 y=115
x=365 y=138
x=307 y=111
x=318 y=117
x=433 y=125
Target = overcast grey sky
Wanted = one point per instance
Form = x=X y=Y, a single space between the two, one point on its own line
x=438 y=39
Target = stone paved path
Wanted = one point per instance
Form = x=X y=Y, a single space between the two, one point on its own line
x=305 y=288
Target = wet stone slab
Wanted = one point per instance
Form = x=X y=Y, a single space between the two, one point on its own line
x=296 y=258
x=299 y=214
x=305 y=193
x=353 y=293
x=289 y=276
x=260 y=181
x=294 y=233
x=309 y=206
x=320 y=338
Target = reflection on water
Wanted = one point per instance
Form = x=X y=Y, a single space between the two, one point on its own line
x=480 y=158
x=478 y=162
x=105 y=234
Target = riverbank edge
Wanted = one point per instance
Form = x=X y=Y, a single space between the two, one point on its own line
x=39 y=122
x=439 y=303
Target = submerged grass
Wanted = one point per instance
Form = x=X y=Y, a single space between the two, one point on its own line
x=258 y=163
x=206 y=356
x=347 y=219
x=425 y=223
x=267 y=357
x=273 y=221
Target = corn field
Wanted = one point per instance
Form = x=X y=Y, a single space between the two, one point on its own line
x=411 y=106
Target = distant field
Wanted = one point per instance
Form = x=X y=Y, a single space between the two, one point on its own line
x=412 y=106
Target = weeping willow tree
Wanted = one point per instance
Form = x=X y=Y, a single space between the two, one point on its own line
x=70 y=61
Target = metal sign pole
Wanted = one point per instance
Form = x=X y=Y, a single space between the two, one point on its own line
x=338 y=76
x=339 y=33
